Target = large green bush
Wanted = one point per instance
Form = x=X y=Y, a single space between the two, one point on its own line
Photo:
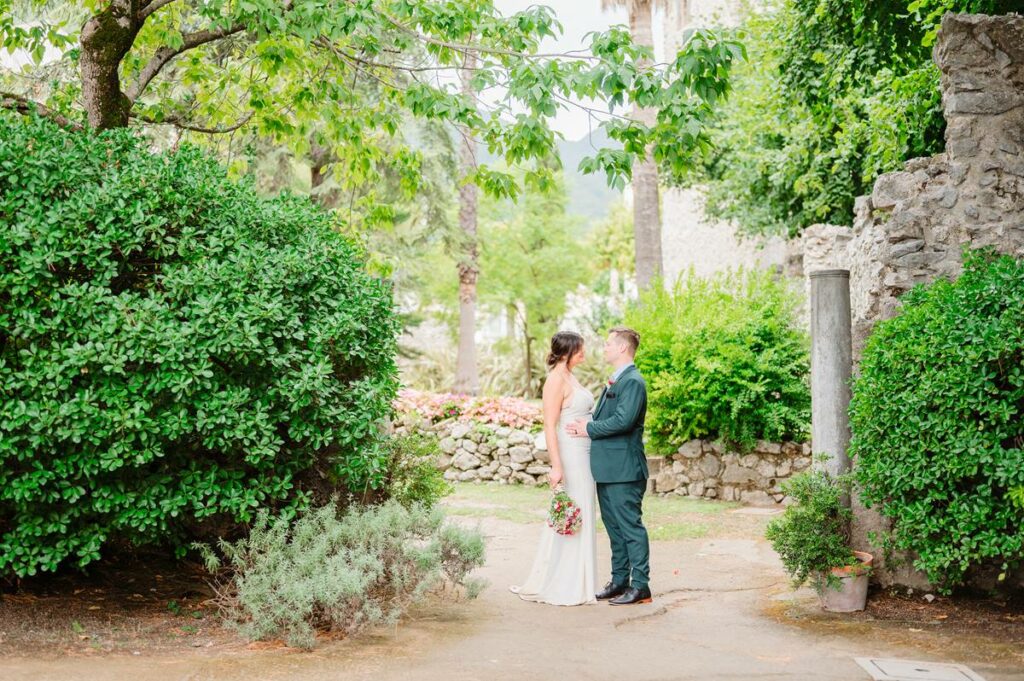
x=175 y=351
x=724 y=357
x=938 y=434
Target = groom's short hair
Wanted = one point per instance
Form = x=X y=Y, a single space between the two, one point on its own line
x=629 y=336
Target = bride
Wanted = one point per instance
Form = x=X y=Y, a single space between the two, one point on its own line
x=564 y=569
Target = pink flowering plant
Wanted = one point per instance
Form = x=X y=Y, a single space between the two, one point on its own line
x=564 y=516
x=499 y=411
x=451 y=410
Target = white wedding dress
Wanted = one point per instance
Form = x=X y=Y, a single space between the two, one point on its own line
x=565 y=569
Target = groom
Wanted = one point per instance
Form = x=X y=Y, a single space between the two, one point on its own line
x=619 y=465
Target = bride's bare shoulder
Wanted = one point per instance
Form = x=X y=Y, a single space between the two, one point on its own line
x=555 y=384
x=554 y=378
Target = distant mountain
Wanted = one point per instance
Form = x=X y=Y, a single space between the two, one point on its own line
x=589 y=195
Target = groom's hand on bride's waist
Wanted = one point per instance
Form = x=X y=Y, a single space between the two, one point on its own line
x=577 y=428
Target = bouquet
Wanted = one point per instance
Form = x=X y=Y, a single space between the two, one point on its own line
x=564 y=515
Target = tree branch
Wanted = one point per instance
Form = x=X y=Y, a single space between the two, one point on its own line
x=153 y=7
x=462 y=48
x=324 y=42
x=356 y=63
x=165 y=54
x=23 y=105
x=184 y=125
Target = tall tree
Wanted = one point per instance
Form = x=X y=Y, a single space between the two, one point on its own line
x=646 y=202
x=531 y=257
x=466 y=375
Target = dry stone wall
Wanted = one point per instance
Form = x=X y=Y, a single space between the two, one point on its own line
x=916 y=223
x=473 y=451
x=484 y=452
x=702 y=468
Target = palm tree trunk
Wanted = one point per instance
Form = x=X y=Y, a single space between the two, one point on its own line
x=646 y=211
x=528 y=358
x=467 y=379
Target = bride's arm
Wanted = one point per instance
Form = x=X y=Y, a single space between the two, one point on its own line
x=554 y=395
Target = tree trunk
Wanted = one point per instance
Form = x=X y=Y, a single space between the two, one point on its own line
x=510 y=323
x=320 y=158
x=646 y=211
x=466 y=377
x=317 y=166
x=528 y=392
x=527 y=358
x=106 y=38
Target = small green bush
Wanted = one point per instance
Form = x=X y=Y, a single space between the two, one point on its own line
x=176 y=351
x=321 y=571
x=723 y=358
x=936 y=416
x=412 y=475
x=813 y=534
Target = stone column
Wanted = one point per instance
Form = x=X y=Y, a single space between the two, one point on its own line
x=831 y=363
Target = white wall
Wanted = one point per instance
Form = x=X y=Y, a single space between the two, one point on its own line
x=688 y=237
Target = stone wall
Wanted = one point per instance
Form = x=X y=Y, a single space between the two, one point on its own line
x=483 y=452
x=819 y=247
x=702 y=468
x=914 y=226
x=690 y=239
x=916 y=223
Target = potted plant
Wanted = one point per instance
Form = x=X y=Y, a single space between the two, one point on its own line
x=812 y=537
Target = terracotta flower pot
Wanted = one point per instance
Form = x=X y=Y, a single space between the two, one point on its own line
x=852 y=594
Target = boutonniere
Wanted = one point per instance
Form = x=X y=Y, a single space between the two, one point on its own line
x=610 y=382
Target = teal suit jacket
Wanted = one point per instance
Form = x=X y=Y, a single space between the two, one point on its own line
x=617 y=430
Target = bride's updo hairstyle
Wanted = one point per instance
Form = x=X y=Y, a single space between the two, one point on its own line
x=564 y=344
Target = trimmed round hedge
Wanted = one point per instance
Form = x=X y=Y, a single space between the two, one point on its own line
x=938 y=433
x=176 y=351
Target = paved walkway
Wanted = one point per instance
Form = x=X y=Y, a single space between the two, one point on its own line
x=719 y=613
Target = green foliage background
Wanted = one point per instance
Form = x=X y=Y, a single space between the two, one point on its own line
x=531 y=258
x=724 y=357
x=532 y=253
x=938 y=437
x=834 y=93
x=176 y=352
